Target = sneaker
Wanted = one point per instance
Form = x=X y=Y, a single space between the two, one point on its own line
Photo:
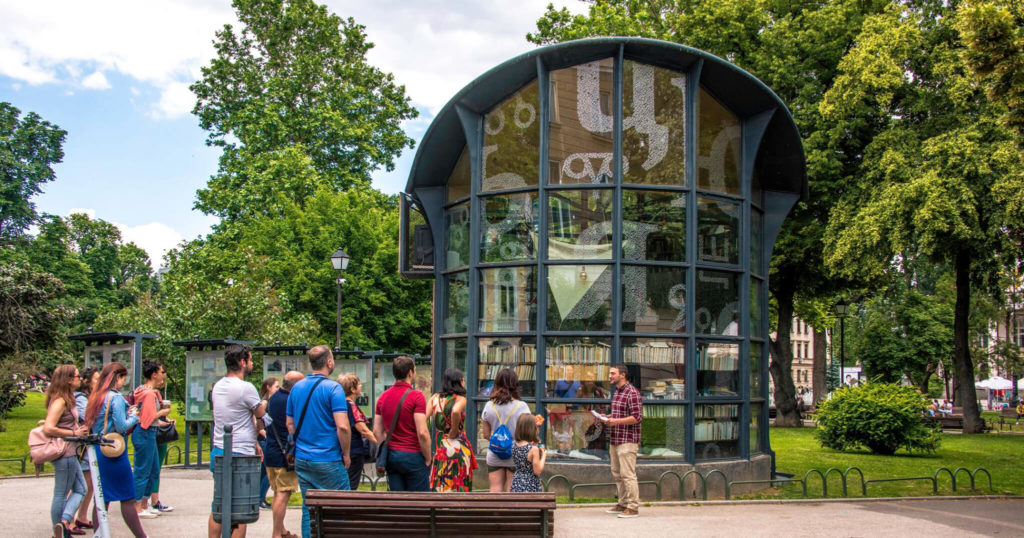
x=148 y=514
x=617 y=509
x=629 y=512
x=161 y=507
x=264 y=505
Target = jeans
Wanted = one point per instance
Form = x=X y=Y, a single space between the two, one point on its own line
x=264 y=479
x=318 y=475
x=407 y=471
x=147 y=461
x=161 y=458
x=67 y=478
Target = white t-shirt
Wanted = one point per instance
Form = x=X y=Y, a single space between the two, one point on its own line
x=233 y=403
x=510 y=412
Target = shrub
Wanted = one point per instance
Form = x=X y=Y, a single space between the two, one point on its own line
x=882 y=417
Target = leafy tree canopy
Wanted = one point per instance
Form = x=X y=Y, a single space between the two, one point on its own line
x=29 y=147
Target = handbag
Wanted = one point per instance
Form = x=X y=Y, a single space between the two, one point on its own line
x=382 y=448
x=289 y=455
x=43 y=448
x=166 y=433
x=116 y=445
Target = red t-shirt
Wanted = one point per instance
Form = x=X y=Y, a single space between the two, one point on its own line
x=404 y=438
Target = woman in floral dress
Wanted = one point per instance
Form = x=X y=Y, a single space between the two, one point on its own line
x=454 y=461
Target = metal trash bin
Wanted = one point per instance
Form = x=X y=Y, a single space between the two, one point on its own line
x=245 y=489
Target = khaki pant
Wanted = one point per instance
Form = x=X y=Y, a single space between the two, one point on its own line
x=624 y=471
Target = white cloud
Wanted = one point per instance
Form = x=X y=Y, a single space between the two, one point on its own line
x=91 y=213
x=96 y=81
x=175 y=100
x=155 y=238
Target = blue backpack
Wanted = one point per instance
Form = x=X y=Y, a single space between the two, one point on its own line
x=501 y=441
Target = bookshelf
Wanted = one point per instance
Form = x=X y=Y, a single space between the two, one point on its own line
x=500 y=354
x=716 y=430
x=718 y=370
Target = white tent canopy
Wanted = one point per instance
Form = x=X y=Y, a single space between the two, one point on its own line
x=995 y=383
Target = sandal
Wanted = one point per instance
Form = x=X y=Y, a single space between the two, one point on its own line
x=83 y=524
x=75 y=531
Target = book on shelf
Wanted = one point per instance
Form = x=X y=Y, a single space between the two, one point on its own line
x=654 y=353
x=718 y=362
x=709 y=430
x=577 y=372
x=664 y=411
x=579 y=354
x=510 y=354
x=716 y=411
x=523 y=371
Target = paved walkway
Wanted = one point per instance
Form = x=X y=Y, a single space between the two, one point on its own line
x=26 y=502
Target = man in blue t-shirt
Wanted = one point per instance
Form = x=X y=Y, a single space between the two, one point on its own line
x=322 y=441
x=282 y=479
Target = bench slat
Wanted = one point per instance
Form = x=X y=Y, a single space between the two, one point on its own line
x=462 y=505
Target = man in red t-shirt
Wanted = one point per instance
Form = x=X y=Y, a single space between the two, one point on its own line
x=409 y=455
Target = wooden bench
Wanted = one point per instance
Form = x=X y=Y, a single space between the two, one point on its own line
x=361 y=513
x=1007 y=416
x=950 y=422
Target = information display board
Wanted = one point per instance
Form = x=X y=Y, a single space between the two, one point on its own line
x=356 y=364
x=384 y=377
x=203 y=368
x=279 y=365
x=104 y=348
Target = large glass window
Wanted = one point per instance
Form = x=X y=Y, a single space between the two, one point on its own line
x=718 y=146
x=508 y=228
x=580 y=131
x=511 y=133
x=653 y=125
x=578 y=367
x=756 y=308
x=508 y=299
x=718 y=303
x=755 y=428
x=756 y=355
x=718 y=369
x=716 y=431
x=579 y=297
x=756 y=240
x=653 y=225
x=456 y=319
x=653 y=299
x=663 y=435
x=498 y=353
x=718 y=231
x=657 y=367
x=580 y=224
x=456 y=224
x=458 y=182
x=574 y=433
x=454 y=354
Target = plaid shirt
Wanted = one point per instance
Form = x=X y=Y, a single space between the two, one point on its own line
x=626 y=403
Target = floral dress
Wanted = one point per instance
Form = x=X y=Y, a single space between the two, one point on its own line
x=454 y=461
x=524 y=481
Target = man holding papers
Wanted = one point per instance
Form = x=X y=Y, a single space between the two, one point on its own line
x=624 y=437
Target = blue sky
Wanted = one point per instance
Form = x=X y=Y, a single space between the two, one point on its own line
x=117 y=82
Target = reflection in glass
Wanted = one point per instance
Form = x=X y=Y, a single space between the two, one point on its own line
x=574 y=432
x=716 y=431
x=718 y=231
x=718 y=146
x=657 y=367
x=580 y=224
x=508 y=299
x=508 y=230
x=718 y=369
x=456 y=319
x=756 y=242
x=756 y=353
x=418 y=241
x=458 y=182
x=663 y=435
x=718 y=303
x=456 y=226
x=653 y=299
x=653 y=125
x=653 y=225
x=517 y=353
x=581 y=124
x=755 y=428
x=511 y=140
x=455 y=350
x=756 y=308
x=578 y=367
x=579 y=297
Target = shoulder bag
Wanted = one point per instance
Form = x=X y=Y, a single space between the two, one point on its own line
x=117 y=448
x=382 y=448
x=289 y=454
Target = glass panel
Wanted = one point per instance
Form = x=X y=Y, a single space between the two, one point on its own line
x=653 y=299
x=718 y=302
x=718 y=369
x=663 y=435
x=94 y=358
x=458 y=182
x=508 y=228
x=416 y=239
x=756 y=308
x=580 y=225
x=517 y=353
x=384 y=377
x=657 y=366
x=202 y=370
x=456 y=319
x=124 y=356
x=581 y=124
x=508 y=299
x=653 y=125
x=579 y=298
x=578 y=367
x=756 y=242
x=574 y=433
x=483 y=441
x=756 y=354
x=716 y=431
x=755 y=189
x=653 y=225
x=755 y=428
x=718 y=231
x=511 y=140
x=718 y=146
x=456 y=225
x=455 y=350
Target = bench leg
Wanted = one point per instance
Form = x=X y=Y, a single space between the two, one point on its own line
x=544 y=523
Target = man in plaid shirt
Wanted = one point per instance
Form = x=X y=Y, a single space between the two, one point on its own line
x=624 y=436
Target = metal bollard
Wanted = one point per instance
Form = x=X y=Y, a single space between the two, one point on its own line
x=226 y=480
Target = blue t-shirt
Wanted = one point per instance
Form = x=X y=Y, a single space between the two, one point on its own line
x=276 y=407
x=318 y=438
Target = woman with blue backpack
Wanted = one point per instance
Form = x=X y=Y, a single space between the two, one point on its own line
x=500 y=416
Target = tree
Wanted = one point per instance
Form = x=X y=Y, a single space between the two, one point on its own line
x=940 y=178
x=29 y=147
x=30 y=315
x=795 y=48
x=294 y=106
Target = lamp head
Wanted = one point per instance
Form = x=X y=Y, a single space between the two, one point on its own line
x=339 y=260
x=841 y=307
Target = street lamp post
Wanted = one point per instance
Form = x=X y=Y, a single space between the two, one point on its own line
x=340 y=262
x=841 y=307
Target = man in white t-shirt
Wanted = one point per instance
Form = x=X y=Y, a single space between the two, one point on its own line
x=237 y=404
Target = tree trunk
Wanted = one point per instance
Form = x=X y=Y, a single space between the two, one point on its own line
x=963 y=368
x=819 y=366
x=781 y=366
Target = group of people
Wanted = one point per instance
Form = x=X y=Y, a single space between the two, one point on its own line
x=944 y=408
x=79 y=403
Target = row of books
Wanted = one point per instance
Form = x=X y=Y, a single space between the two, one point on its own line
x=716 y=411
x=715 y=431
x=579 y=372
x=510 y=354
x=580 y=354
x=664 y=411
x=718 y=362
x=653 y=354
x=523 y=371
